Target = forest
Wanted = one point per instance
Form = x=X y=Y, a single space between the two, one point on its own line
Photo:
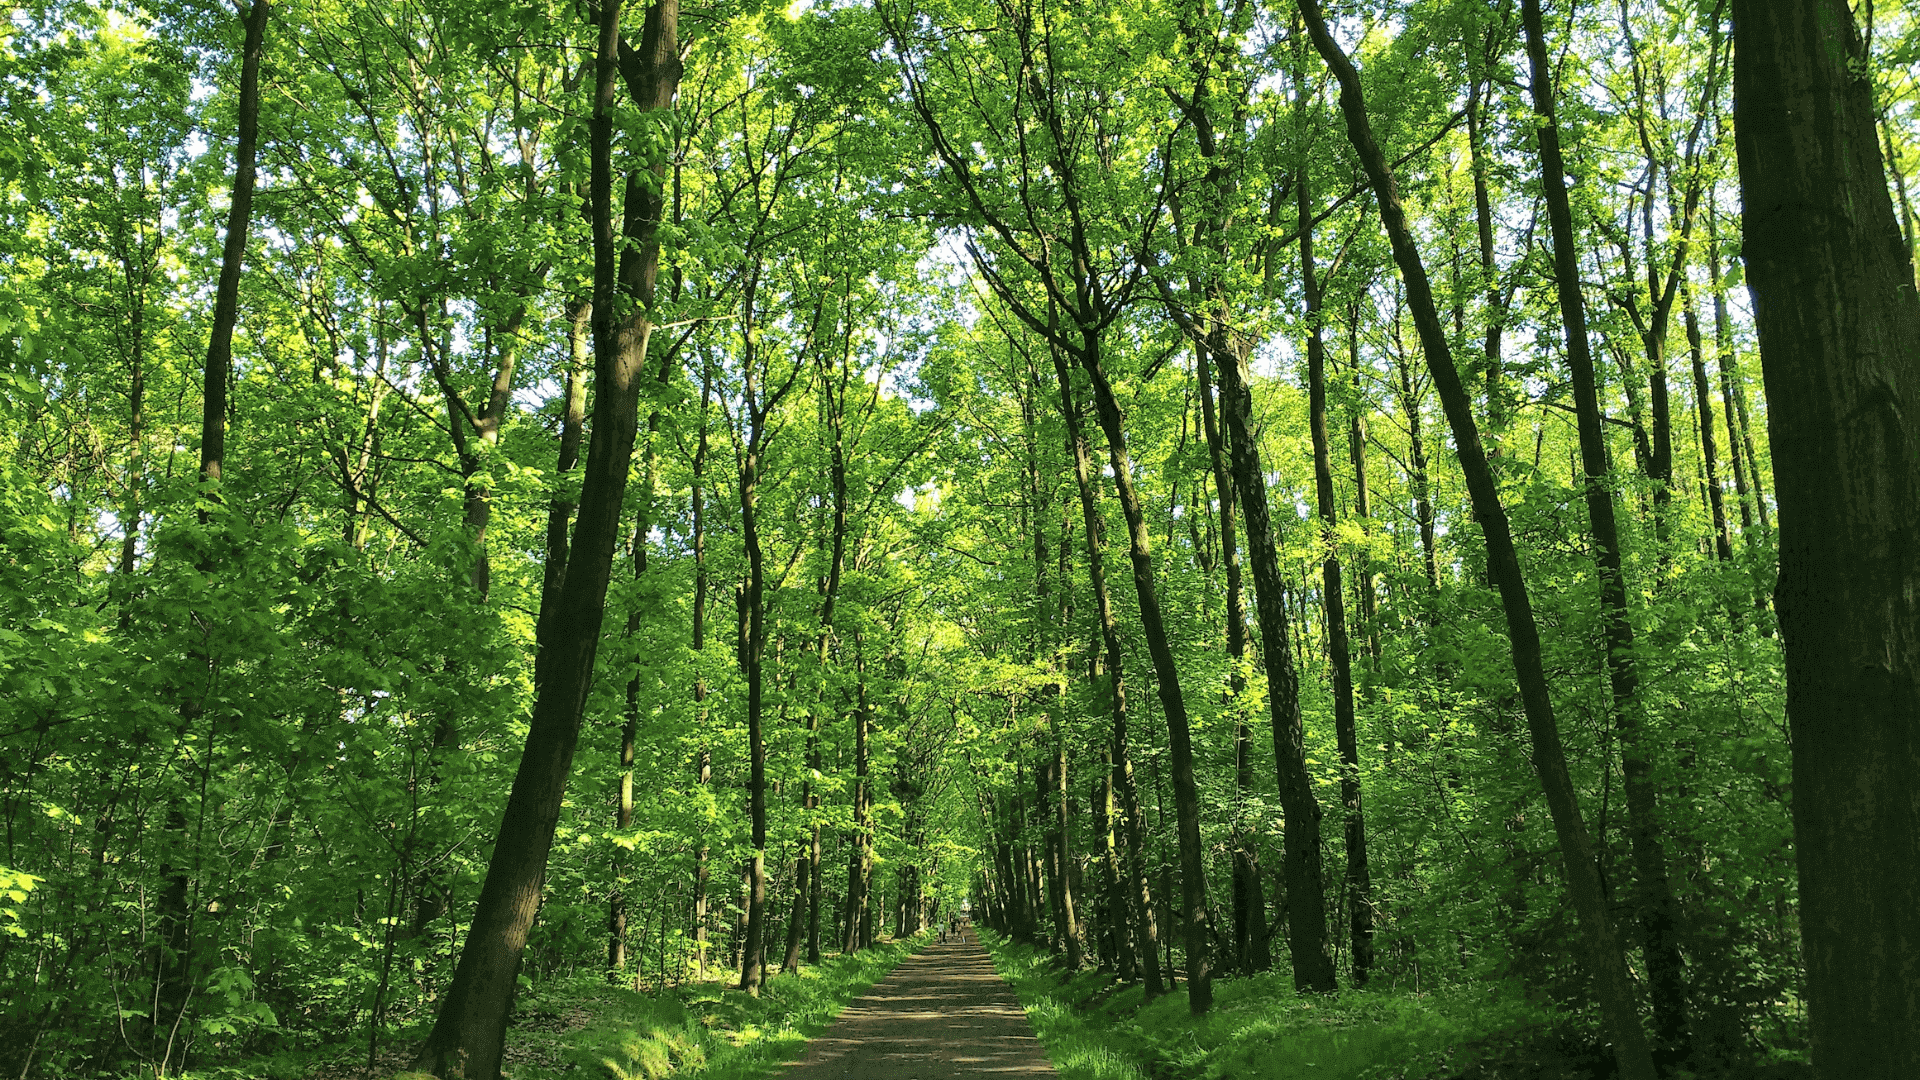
x=1407 y=506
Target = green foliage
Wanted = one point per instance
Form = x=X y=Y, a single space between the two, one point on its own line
x=1262 y=1029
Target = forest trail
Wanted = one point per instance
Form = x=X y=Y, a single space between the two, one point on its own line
x=943 y=1013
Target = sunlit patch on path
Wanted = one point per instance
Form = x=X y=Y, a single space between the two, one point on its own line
x=943 y=1013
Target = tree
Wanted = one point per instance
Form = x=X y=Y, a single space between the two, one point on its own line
x=1839 y=327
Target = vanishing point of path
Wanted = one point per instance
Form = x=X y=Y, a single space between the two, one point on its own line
x=943 y=1014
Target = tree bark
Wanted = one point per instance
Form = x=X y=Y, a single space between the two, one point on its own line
x=1359 y=884
x=1666 y=975
x=1605 y=958
x=703 y=758
x=1839 y=328
x=752 y=652
x=470 y=1030
x=1250 y=942
x=1709 y=451
x=1139 y=896
x=1305 y=896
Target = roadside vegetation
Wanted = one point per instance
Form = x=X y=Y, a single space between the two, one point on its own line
x=582 y=1026
x=1095 y=1028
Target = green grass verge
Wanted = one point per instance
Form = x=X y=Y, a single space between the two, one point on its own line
x=1259 y=1028
x=585 y=1029
x=707 y=1029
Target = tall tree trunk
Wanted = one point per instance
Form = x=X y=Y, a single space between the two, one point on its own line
x=226 y=300
x=1305 y=896
x=1249 y=909
x=1186 y=793
x=470 y=1031
x=1495 y=314
x=1840 y=348
x=1723 y=350
x=703 y=758
x=630 y=722
x=1359 y=884
x=1654 y=893
x=1362 y=492
x=1139 y=900
x=1422 y=486
x=1062 y=856
x=753 y=953
x=1709 y=451
x=860 y=861
x=1733 y=386
x=1605 y=958
x=173 y=962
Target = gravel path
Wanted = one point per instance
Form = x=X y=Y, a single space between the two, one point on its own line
x=943 y=1014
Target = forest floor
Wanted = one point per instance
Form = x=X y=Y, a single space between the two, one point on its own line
x=943 y=1013
x=1094 y=1028
x=582 y=1027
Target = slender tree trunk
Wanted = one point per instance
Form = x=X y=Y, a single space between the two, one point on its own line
x=1062 y=855
x=173 y=962
x=859 y=863
x=1250 y=947
x=1605 y=957
x=1709 y=452
x=1733 y=387
x=1495 y=314
x=1723 y=350
x=630 y=723
x=1840 y=348
x=1139 y=897
x=1305 y=897
x=1186 y=794
x=703 y=758
x=1362 y=492
x=1359 y=884
x=753 y=959
x=1654 y=894
x=226 y=300
x=1422 y=486
x=470 y=1031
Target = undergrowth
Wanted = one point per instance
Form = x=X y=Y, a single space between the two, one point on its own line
x=585 y=1029
x=1261 y=1029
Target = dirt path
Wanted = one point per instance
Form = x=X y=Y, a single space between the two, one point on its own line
x=943 y=1014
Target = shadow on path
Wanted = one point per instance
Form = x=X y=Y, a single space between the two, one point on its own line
x=943 y=1013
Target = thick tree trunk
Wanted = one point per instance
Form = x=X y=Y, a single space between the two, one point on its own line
x=470 y=1031
x=1605 y=958
x=1840 y=348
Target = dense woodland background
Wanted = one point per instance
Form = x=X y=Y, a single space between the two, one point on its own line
x=1042 y=500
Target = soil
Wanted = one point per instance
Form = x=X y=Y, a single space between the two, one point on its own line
x=943 y=1014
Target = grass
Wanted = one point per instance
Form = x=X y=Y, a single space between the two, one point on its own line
x=710 y=1030
x=585 y=1029
x=1260 y=1029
